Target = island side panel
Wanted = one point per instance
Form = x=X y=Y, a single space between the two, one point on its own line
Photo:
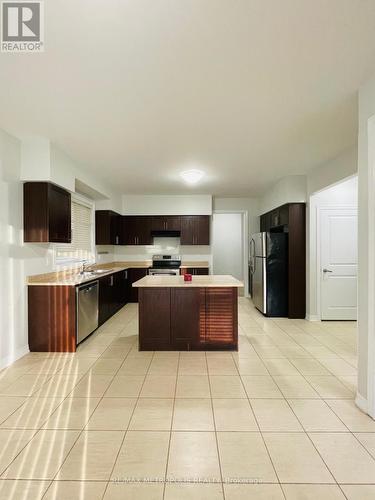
x=154 y=319
x=221 y=318
x=52 y=318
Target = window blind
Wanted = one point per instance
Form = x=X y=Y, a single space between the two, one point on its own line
x=81 y=246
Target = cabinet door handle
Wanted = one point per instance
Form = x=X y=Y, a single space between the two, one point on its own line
x=117 y=240
x=111 y=280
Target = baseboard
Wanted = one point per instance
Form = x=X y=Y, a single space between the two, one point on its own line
x=362 y=403
x=312 y=317
x=11 y=358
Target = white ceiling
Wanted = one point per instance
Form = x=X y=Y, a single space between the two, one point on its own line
x=247 y=90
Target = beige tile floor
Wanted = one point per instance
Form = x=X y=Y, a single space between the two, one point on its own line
x=274 y=421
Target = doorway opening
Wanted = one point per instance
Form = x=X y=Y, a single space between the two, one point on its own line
x=229 y=245
x=333 y=258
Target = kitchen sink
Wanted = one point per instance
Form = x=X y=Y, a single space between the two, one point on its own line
x=94 y=272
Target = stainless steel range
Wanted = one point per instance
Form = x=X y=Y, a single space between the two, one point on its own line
x=165 y=265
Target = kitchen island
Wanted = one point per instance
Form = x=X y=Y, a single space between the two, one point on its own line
x=178 y=315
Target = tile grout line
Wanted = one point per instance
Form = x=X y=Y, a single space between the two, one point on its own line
x=324 y=345
x=313 y=444
x=127 y=428
x=82 y=430
x=261 y=435
x=306 y=433
x=38 y=429
x=215 y=428
x=353 y=433
x=171 y=428
x=320 y=398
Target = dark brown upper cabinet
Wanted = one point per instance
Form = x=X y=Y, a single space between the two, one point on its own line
x=166 y=223
x=107 y=227
x=136 y=230
x=276 y=218
x=195 y=230
x=47 y=216
x=114 y=229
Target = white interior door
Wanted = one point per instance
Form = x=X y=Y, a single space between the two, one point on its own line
x=227 y=244
x=338 y=259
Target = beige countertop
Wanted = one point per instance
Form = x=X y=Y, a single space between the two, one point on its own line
x=72 y=277
x=212 y=281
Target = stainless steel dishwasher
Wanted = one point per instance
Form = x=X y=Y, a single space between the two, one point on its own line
x=87 y=309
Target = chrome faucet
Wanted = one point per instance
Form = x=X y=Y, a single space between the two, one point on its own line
x=85 y=267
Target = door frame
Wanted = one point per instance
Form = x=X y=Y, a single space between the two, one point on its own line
x=319 y=210
x=366 y=319
x=245 y=244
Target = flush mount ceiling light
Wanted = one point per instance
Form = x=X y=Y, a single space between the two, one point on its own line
x=192 y=176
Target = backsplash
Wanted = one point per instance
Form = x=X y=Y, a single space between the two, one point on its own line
x=161 y=246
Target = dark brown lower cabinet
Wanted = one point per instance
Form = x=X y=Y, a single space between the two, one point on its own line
x=52 y=311
x=113 y=294
x=155 y=319
x=105 y=298
x=187 y=308
x=52 y=318
x=194 y=318
x=195 y=271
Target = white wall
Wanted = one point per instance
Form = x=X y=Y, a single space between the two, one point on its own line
x=44 y=161
x=35 y=159
x=167 y=204
x=19 y=260
x=290 y=189
x=342 y=193
x=249 y=205
x=335 y=170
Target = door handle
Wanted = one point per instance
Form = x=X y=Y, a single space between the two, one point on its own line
x=327 y=271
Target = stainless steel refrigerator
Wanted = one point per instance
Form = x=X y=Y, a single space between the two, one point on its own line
x=268 y=263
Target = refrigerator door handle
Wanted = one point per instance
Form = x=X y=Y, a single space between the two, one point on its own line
x=252 y=256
